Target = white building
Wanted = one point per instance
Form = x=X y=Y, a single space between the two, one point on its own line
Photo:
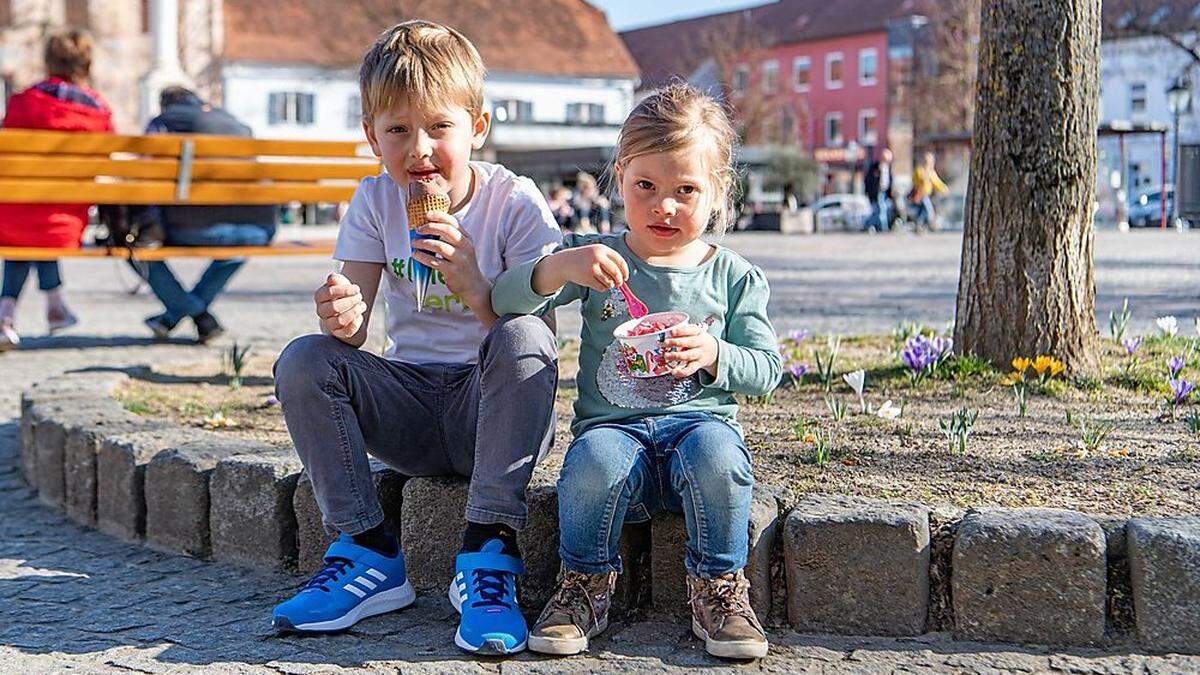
x=1135 y=74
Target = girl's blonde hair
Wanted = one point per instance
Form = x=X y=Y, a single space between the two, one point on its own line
x=680 y=116
x=69 y=56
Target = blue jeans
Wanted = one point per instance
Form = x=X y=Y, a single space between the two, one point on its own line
x=17 y=271
x=179 y=302
x=879 y=215
x=694 y=463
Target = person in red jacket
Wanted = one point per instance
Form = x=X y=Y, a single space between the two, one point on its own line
x=63 y=102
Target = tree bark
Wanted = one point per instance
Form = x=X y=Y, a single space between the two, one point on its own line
x=1026 y=285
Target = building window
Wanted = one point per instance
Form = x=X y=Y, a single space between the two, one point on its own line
x=354 y=111
x=512 y=110
x=77 y=15
x=5 y=13
x=833 y=129
x=787 y=126
x=290 y=107
x=868 y=67
x=801 y=72
x=585 y=113
x=6 y=92
x=1137 y=97
x=770 y=76
x=741 y=79
x=868 y=127
x=833 y=70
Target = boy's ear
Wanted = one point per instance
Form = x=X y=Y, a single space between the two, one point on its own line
x=480 y=129
x=369 y=130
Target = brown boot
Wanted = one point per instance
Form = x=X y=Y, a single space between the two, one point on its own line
x=722 y=617
x=577 y=611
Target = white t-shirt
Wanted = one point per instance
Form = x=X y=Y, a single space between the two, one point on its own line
x=507 y=219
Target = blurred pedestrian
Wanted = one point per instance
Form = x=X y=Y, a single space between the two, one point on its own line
x=562 y=209
x=878 y=186
x=592 y=209
x=926 y=182
x=62 y=102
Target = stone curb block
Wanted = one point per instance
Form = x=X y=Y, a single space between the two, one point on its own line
x=1164 y=556
x=121 y=477
x=857 y=566
x=251 y=517
x=50 y=433
x=177 y=497
x=668 y=539
x=79 y=459
x=312 y=540
x=1029 y=575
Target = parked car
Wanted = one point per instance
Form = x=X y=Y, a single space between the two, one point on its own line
x=841 y=212
x=1146 y=210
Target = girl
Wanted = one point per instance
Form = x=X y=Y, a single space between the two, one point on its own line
x=643 y=443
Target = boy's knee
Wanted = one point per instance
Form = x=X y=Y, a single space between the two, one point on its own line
x=521 y=334
x=301 y=360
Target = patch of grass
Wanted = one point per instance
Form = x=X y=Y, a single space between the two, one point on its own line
x=969 y=367
x=138 y=407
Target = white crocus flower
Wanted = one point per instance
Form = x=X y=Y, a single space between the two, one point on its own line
x=1169 y=325
x=888 y=411
x=1197 y=320
x=857 y=380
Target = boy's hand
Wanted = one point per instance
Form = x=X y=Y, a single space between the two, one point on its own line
x=452 y=254
x=340 y=307
x=691 y=348
x=597 y=267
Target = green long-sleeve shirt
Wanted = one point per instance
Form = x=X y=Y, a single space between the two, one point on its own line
x=725 y=286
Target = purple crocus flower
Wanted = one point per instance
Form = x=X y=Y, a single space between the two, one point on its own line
x=921 y=352
x=799 y=336
x=1180 y=389
x=797 y=370
x=1174 y=366
x=1131 y=345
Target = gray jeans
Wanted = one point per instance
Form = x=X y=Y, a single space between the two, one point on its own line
x=492 y=421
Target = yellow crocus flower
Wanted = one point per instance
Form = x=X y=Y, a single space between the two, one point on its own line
x=1021 y=364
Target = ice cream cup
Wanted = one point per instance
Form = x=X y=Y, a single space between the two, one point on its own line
x=644 y=355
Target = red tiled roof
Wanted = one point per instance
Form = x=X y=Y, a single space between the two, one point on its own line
x=543 y=37
x=1123 y=18
x=665 y=51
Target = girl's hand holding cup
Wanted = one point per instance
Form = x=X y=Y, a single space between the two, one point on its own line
x=692 y=348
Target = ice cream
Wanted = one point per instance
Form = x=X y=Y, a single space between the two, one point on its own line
x=421 y=199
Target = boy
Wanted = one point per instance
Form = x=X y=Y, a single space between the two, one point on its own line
x=459 y=391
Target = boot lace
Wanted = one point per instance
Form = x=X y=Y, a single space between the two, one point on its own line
x=328 y=574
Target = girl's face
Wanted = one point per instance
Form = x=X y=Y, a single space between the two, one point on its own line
x=668 y=201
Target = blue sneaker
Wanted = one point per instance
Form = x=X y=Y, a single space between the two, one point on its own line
x=355 y=583
x=484 y=591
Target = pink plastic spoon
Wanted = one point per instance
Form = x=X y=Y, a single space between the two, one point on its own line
x=637 y=308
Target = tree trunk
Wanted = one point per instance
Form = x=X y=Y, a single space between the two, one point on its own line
x=1026 y=285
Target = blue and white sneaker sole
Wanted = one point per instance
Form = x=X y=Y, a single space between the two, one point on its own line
x=380 y=603
x=495 y=646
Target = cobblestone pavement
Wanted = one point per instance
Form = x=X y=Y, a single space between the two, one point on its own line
x=73 y=599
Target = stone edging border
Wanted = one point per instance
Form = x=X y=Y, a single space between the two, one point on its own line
x=821 y=564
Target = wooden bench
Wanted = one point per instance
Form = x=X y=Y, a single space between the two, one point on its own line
x=54 y=167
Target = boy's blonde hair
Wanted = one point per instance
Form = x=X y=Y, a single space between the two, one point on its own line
x=425 y=63
x=69 y=56
x=680 y=116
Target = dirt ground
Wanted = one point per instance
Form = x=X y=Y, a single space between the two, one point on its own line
x=1103 y=444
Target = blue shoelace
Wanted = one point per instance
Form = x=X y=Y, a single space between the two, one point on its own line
x=492 y=589
x=328 y=574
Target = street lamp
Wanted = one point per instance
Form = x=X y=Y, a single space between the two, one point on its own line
x=1179 y=100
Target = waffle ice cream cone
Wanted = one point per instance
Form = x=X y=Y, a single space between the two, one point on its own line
x=420 y=201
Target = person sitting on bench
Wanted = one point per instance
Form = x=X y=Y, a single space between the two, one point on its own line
x=63 y=101
x=183 y=111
